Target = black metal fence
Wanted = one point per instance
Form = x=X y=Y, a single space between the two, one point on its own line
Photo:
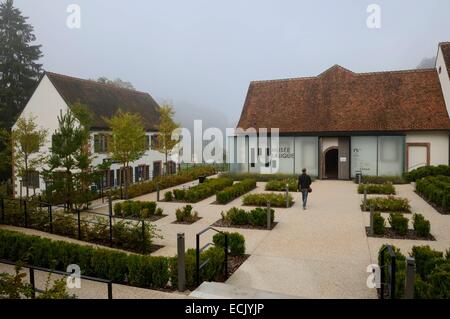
x=32 y=270
x=390 y=268
x=45 y=217
x=199 y=249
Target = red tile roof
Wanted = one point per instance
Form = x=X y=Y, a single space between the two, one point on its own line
x=339 y=100
x=104 y=100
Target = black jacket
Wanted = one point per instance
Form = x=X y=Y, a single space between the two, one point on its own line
x=304 y=181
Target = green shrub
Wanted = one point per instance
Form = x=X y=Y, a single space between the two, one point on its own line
x=255 y=217
x=236 y=242
x=258 y=216
x=388 y=204
x=275 y=199
x=400 y=266
x=387 y=189
x=134 y=209
x=280 y=185
x=436 y=189
x=421 y=225
x=186 y=215
x=179 y=194
x=399 y=223
x=368 y=179
x=168 y=196
x=141 y=271
x=259 y=177
x=206 y=189
x=426 y=171
x=426 y=259
x=234 y=191
x=379 y=224
x=159 y=211
x=236 y=216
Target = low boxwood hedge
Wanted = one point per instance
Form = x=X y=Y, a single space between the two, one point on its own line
x=387 y=189
x=421 y=172
x=280 y=185
x=136 y=209
x=255 y=217
x=387 y=204
x=275 y=199
x=399 y=223
x=232 y=192
x=379 y=224
x=436 y=189
x=421 y=225
x=206 y=189
x=236 y=242
x=370 y=179
x=258 y=177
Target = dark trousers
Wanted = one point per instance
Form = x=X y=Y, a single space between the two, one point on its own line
x=304 y=196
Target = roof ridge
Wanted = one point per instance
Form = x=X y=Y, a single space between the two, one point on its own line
x=93 y=82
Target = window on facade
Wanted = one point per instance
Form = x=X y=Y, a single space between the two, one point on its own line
x=147 y=141
x=31 y=179
x=154 y=141
x=141 y=173
x=102 y=143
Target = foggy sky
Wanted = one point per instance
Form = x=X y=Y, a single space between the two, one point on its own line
x=202 y=54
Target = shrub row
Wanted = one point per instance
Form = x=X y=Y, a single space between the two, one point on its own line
x=388 y=204
x=234 y=191
x=276 y=200
x=206 y=189
x=425 y=171
x=258 y=177
x=280 y=185
x=387 y=189
x=186 y=215
x=137 y=209
x=399 y=224
x=236 y=242
x=432 y=280
x=436 y=189
x=255 y=217
x=134 y=270
x=167 y=181
x=370 y=179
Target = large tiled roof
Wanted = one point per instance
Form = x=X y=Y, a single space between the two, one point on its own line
x=339 y=100
x=104 y=100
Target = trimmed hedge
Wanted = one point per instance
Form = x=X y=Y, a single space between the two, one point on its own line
x=370 y=179
x=399 y=223
x=432 y=280
x=255 y=217
x=136 y=209
x=186 y=215
x=387 y=189
x=276 y=200
x=140 y=271
x=280 y=185
x=436 y=189
x=236 y=243
x=379 y=224
x=232 y=192
x=425 y=171
x=388 y=204
x=421 y=225
x=206 y=189
x=259 y=177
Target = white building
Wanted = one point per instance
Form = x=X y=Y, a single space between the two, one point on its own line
x=341 y=122
x=55 y=93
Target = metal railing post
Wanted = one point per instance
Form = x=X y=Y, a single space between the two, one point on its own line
x=409 y=280
x=372 y=213
x=157 y=191
x=79 y=223
x=393 y=277
x=143 y=237
x=269 y=217
x=110 y=214
x=181 y=262
x=32 y=283
x=25 y=213
x=365 y=199
x=110 y=290
x=226 y=256
x=2 y=203
x=50 y=217
x=382 y=274
x=287 y=195
x=197 y=259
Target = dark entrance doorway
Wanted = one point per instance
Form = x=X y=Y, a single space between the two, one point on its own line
x=331 y=163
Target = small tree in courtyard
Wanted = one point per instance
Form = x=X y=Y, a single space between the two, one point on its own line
x=28 y=140
x=166 y=126
x=128 y=142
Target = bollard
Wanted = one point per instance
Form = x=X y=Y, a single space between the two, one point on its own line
x=157 y=192
x=269 y=219
x=287 y=196
x=110 y=214
x=181 y=262
x=409 y=280
x=371 y=220
x=365 y=199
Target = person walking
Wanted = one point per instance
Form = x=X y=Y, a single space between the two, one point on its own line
x=304 y=186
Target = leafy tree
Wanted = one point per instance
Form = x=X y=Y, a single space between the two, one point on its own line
x=19 y=71
x=69 y=171
x=117 y=82
x=128 y=142
x=13 y=287
x=166 y=126
x=28 y=140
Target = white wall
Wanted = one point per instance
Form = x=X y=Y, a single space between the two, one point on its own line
x=443 y=78
x=439 y=147
x=329 y=142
